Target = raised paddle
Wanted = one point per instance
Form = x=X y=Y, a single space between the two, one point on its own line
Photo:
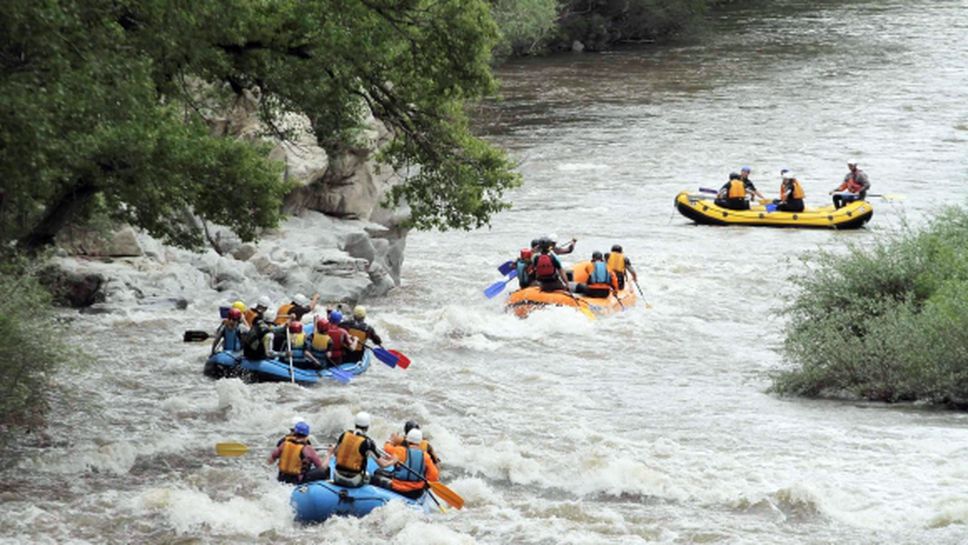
x=384 y=355
x=499 y=286
x=292 y=374
x=402 y=361
x=452 y=498
x=506 y=267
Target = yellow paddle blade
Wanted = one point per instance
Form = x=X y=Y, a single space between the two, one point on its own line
x=452 y=498
x=587 y=312
x=230 y=449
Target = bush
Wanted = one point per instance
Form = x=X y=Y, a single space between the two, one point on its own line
x=29 y=352
x=524 y=25
x=889 y=323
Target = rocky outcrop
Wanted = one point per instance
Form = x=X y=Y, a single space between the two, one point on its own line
x=104 y=242
x=73 y=288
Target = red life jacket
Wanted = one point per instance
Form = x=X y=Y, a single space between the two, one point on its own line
x=544 y=269
x=336 y=346
x=853 y=185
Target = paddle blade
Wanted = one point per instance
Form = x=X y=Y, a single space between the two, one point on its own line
x=587 y=312
x=402 y=361
x=495 y=289
x=506 y=267
x=385 y=356
x=452 y=498
x=195 y=336
x=708 y=190
x=339 y=375
x=771 y=208
x=230 y=449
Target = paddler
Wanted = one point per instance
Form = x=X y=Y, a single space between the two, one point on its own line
x=524 y=268
x=362 y=331
x=230 y=333
x=548 y=271
x=744 y=174
x=351 y=450
x=601 y=281
x=621 y=265
x=854 y=187
x=298 y=460
x=791 y=194
x=296 y=309
x=733 y=195
x=413 y=467
x=397 y=440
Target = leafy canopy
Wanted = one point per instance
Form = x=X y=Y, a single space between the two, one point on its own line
x=108 y=105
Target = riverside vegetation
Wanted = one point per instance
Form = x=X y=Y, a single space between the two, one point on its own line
x=886 y=323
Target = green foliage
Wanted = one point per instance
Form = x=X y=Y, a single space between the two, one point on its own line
x=599 y=24
x=525 y=25
x=29 y=350
x=888 y=323
x=110 y=101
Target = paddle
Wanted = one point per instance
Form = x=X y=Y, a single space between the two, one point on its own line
x=230 y=449
x=292 y=374
x=506 y=267
x=888 y=196
x=452 y=498
x=499 y=286
x=384 y=355
x=335 y=373
x=402 y=362
x=708 y=190
x=584 y=309
x=192 y=336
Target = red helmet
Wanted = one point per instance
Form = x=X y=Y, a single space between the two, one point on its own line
x=234 y=314
x=321 y=322
x=295 y=327
x=526 y=253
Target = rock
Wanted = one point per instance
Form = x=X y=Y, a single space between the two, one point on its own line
x=577 y=46
x=93 y=242
x=381 y=281
x=76 y=289
x=359 y=245
x=245 y=251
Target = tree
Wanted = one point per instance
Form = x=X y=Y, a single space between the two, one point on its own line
x=104 y=103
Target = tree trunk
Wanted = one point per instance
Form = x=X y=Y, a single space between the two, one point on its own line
x=58 y=213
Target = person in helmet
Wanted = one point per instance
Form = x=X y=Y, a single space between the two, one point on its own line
x=251 y=314
x=744 y=174
x=854 y=187
x=230 y=333
x=601 y=282
x=412 y=467
x=397 y=440
x=352 y=450
x=259 y=342
x=358 y=328
x=298 y=460
x=617 y=262
x=791 y=194
x=296 y=309
x=733 y=195
x=548 y=270
x=330 y=342
x=524 y=268
x=561 y=250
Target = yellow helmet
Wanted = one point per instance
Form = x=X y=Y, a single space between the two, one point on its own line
x=239 y=305
x=359 y=312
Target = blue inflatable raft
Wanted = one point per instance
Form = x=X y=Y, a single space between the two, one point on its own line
x=229 y=364
x=318 y=500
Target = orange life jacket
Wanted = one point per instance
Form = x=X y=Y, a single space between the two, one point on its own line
x=290 y=459
x=797 y=190
x=348 y=457
x=737 y=190
x=852 y=184
x=282 y=315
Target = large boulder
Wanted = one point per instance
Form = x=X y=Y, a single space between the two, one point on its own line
x=77 y=289
x=119 y=242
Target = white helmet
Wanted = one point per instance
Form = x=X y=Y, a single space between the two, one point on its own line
x=301 y=300
x=852 y=162
x=363 y=420
x=415 y=436
x=269 y=315
x=552 y=237
x=789 y=175
x=263 y=302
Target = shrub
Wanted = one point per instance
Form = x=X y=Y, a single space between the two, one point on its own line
x=888 y=323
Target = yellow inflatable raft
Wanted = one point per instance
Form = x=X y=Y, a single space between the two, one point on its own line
x=701 y=209
x=523 y=302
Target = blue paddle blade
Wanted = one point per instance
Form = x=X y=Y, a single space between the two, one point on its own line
x=385 y=356
x=495 y=289
x=771 y=208
x=506 y=267
x=339 y=375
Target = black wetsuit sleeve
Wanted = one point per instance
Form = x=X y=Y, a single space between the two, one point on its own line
x=372 y=334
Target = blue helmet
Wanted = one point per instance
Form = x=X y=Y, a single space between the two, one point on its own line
x=301 y=428
x=335 y=317
x=746 y=169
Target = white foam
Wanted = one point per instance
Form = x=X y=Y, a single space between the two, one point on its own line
x=190 y=511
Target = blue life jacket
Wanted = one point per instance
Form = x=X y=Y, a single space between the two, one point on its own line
x=415 y=461
x=599 y=274
x=523 y=271
x=231 y=340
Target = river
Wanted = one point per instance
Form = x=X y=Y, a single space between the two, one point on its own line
x=654 y=426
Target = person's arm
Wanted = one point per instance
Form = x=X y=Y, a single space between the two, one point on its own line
x=753 y=190
x=569 y=248
x=218 y=337
x=614 y=280
x=274 y=455
x=865 y=182
x=842 y=186
x=310 y=454
x=349 y=341
x=564 y=277
x=433 y=474
x=631 y=269
x=372 y=334
x=433 y=453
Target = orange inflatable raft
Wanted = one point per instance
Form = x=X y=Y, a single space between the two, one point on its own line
x=523 y=302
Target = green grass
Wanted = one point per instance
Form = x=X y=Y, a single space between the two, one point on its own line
x=887 y=322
